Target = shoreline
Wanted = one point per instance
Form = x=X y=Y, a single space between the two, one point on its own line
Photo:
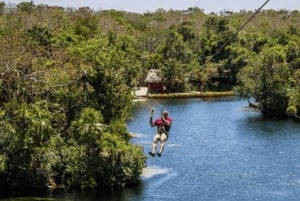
x=193 y=94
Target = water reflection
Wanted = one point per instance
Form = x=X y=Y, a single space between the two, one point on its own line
x=127 y=194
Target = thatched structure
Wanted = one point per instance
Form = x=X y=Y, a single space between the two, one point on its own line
x=154 y=81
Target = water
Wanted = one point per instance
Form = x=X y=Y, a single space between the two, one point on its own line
x=218 y=150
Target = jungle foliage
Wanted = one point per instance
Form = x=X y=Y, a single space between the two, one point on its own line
x=66 y=80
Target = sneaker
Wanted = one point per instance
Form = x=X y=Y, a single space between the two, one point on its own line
x=151 y=154
x=159 y=154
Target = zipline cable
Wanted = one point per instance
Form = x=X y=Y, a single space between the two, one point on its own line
x=241 y=27
x=217 y=52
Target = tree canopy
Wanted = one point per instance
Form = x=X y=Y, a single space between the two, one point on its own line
x=66 y=80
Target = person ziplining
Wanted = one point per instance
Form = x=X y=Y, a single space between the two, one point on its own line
x=163 y=125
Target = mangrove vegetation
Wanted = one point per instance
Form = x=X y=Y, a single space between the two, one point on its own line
x=67 y=75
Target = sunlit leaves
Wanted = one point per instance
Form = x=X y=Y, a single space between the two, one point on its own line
x=113 y=68
x=88 y=128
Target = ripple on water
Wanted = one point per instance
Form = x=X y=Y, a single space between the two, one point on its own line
x=165 y=174
x=152 y=171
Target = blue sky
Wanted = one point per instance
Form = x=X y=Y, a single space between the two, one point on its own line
x=142 y=6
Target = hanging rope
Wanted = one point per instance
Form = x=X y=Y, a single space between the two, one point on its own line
x=152 y=107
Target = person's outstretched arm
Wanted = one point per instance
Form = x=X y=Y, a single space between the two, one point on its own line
x=151 y=118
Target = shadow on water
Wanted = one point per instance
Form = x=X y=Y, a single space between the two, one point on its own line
x=92 y=195
x=116 y=195
x=256 y=125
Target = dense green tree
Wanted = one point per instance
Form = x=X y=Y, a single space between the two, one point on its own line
x=40 y=35
x=2 y=6
x=26 y=6
x=110 y=73
x=86 y=23
x=176 y=57
x=266 y=80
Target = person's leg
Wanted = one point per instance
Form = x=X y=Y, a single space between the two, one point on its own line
x=154 y=145
x=163 y=139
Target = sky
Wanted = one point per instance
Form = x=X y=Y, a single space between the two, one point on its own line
x=142 y=6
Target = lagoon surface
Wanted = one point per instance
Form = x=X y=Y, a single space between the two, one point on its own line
x=218 y=150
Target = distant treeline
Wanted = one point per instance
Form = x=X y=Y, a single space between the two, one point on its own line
x=66 y=80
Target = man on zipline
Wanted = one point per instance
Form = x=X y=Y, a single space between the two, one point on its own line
x=163 y=127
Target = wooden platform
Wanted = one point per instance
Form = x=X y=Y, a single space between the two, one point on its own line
x=141 y=92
